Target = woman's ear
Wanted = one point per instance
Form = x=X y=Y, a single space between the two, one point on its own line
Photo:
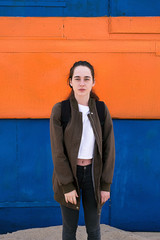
x=93 y=83
x=70 y=82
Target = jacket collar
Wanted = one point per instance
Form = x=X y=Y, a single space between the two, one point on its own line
x=74 y=102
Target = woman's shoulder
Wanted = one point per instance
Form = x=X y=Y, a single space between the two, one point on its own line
x=56 y=109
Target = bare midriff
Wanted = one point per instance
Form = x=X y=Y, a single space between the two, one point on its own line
x=84 y=162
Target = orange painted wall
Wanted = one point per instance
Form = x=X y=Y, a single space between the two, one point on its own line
x=37 y=53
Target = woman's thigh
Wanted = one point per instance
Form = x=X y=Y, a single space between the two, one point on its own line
x=69 y=217
x=92 y=218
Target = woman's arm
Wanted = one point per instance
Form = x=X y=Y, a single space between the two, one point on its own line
x=61 y=163
x=108 y=152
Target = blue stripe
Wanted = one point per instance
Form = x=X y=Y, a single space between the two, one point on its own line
x=14 y=219
x=71 y=8
x=28 y=204
x=26 y=174
x=78 y=8
x=135 y=8
x=136 y=184
x=33 y=4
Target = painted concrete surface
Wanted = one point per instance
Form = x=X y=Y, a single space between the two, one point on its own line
x=107 y=233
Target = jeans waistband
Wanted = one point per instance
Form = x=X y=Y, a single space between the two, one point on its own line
x=82 y=168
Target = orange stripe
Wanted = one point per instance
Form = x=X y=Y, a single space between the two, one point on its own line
x=37 y=53
x=135 y=25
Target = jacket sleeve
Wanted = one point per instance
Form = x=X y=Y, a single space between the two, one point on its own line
x=61 y=163
x=108 y=150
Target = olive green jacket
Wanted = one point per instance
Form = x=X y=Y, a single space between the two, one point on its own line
x=65 y=147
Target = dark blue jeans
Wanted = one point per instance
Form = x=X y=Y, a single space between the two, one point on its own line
x=92 y=219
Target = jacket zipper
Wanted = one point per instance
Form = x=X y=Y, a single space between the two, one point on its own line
x=76 y=164
x=90 y=115
x=99 y=208
x=93 y=176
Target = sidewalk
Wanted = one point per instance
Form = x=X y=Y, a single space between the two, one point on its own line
x=54 y=233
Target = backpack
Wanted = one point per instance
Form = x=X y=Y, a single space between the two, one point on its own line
x=66 y=113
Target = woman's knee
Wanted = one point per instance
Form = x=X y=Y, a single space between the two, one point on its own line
x=94 y=234
x=68 y=233
x=70 y=222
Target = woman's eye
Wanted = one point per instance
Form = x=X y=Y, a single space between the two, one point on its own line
x=78 y=79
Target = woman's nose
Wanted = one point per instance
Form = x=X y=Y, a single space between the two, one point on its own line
x=82 y=82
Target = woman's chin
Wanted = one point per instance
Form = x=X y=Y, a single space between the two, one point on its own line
x=82 y=94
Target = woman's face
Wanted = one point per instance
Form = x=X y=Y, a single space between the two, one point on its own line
x=82 y=81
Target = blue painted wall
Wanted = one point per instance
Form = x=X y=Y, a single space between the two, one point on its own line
x=26 y=196
x=26 y=167
x=135 y=203
x=134 y=8
x=78 y=8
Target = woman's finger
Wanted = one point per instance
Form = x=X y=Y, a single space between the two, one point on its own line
x=71 y=197
x=74 y=200
x=104 y=196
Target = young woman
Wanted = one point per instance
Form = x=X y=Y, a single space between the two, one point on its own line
x=83 y=155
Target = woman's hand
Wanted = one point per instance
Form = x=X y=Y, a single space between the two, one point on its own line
x=104 y=196
x=71 y=197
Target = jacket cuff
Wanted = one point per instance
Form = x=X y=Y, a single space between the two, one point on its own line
x=68 y=187
x=105 y=187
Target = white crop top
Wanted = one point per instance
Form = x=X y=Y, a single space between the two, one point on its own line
x=88 y=139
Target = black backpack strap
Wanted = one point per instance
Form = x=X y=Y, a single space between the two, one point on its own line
x=101 y=113
x=65 y=113
x=101 y=110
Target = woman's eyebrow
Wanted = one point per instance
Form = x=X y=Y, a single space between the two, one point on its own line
x=84 y=76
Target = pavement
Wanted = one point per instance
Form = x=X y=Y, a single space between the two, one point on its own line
x=54 y=233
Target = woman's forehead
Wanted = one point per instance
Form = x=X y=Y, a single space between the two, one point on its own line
x=82 y=71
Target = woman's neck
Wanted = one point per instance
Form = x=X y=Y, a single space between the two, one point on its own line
x=83 y=100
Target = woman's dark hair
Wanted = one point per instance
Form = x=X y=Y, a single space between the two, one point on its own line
x=86 y=64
